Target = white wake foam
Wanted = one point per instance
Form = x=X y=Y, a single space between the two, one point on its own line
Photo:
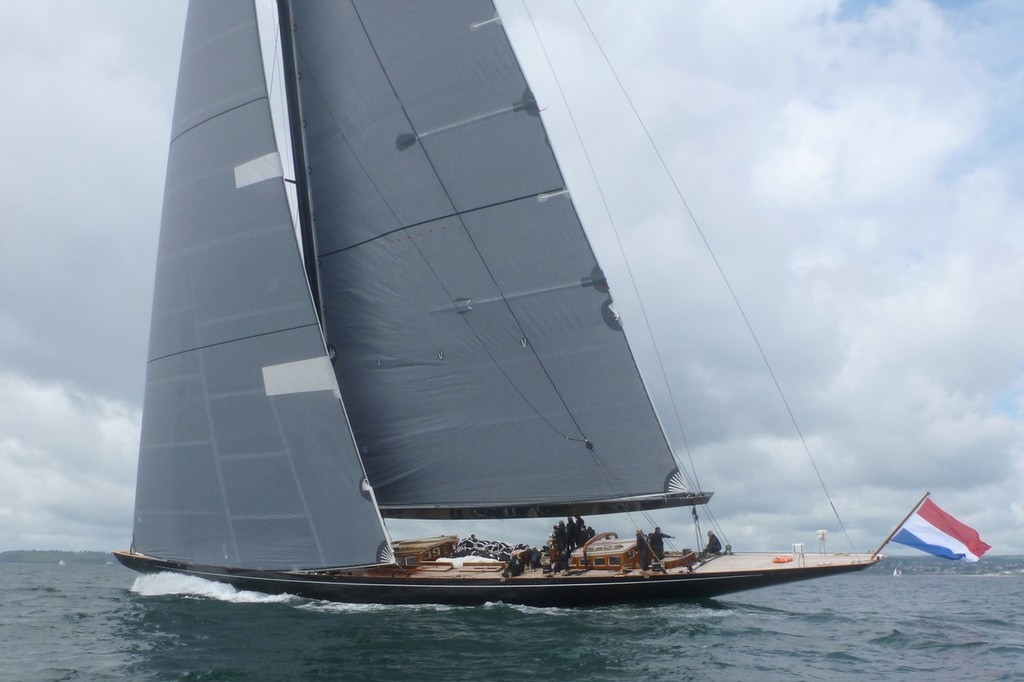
x=342 y=607
x=156 y=584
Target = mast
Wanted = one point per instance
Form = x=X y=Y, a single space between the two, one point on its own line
x=295 y=119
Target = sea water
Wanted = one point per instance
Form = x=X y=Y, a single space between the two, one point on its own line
x=96 y=622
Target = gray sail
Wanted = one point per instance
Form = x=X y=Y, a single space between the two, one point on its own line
x=246 y=458
x=484 y=368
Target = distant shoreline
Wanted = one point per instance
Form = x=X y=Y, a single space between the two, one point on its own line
x=46 y=556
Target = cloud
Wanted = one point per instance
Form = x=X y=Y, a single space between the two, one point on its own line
x=67 y=467
x=88 y=96
x=883 y=106
x=855 y=177
x=855 y=167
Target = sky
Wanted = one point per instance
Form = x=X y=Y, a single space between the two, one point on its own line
x=819 y=261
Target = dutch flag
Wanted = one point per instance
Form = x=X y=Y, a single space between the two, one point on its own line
x=932 y=530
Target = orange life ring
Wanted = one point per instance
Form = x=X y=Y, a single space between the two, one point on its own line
x=782 y=559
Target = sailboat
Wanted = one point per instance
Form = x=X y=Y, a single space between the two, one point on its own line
x=434 y=339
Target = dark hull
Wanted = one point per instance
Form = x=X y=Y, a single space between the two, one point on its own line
x=564 y=591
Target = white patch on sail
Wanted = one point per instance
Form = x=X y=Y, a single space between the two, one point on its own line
x=259 y=169
x=302 y=376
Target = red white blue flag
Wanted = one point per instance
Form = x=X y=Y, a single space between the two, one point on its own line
x=932 y=530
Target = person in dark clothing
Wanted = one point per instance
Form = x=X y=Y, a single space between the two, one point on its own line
x=714 y=546
x=643 y=549
x=531 y=557
x=657 y=540
x=581 y=532
x=561 y=563
x=571 y=541
x=561 y=537
x=514 y=567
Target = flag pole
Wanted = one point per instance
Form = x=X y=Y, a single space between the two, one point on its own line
x=900 y=524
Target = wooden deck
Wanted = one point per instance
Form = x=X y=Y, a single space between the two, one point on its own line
x=724 y=565
x=765 y=561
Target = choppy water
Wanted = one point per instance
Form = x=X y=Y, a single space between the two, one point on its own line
x=105 y=623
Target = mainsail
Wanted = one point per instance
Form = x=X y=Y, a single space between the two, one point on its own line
x=484 y=368
x=246 y=458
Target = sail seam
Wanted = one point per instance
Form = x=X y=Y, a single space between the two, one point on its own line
x=249 y=456
x=217 y=115
x=218 y=465
x=456 y=214
x=166 y=512
x=270 y=517
x=221 y=343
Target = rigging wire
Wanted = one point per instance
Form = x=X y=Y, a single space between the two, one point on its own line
x=615 y=483
x=718 y=266
x=695 y=483
x=602 y=465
